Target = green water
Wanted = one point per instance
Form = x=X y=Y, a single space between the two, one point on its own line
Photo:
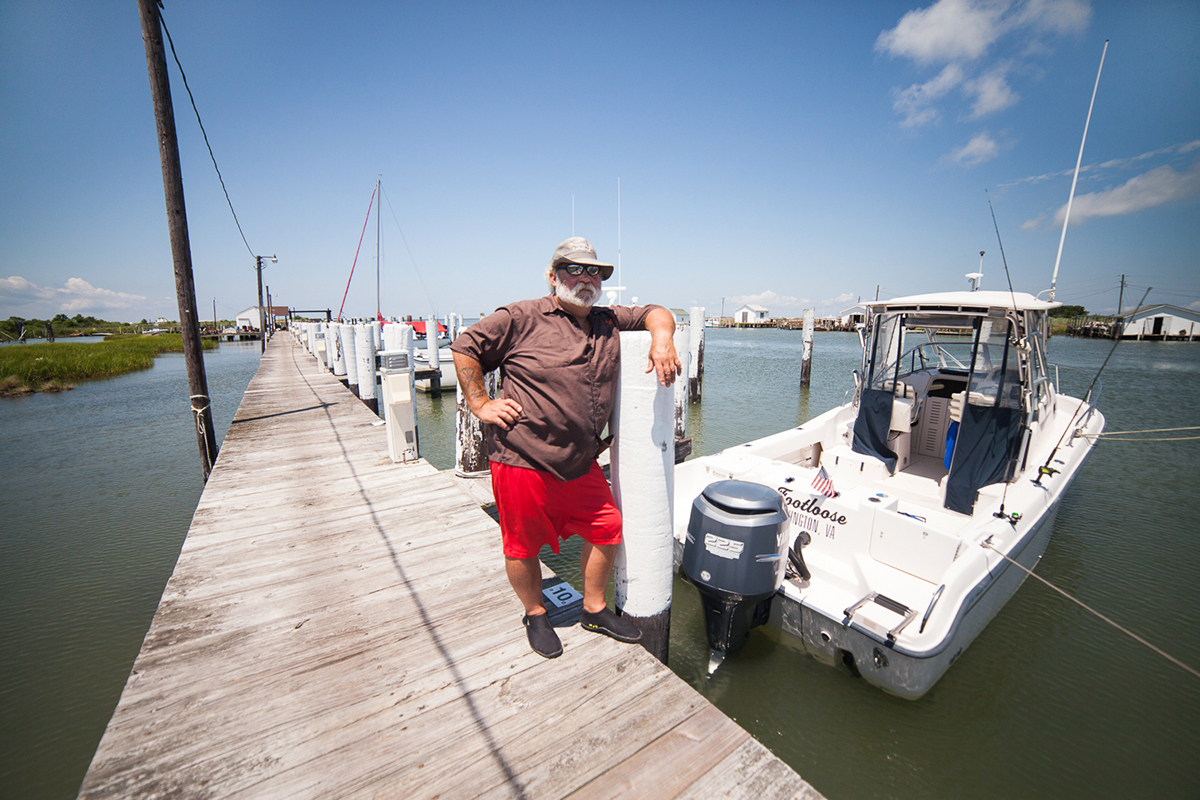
x=98 y=486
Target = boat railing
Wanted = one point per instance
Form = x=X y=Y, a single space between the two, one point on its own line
x=856 y=389
x=1091 y=396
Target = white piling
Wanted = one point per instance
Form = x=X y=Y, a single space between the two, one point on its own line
x=432 y=354
x=643 y=463
x=364 y=357
x=391 y=336
x=695 y=373
x=406 y=339
x=347 y=336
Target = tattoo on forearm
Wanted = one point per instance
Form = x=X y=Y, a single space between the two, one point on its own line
x=472 y=378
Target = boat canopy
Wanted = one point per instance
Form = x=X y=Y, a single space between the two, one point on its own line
x=984 y=350
x=978 y=302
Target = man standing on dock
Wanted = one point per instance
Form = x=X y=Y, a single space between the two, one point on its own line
x=558 y=358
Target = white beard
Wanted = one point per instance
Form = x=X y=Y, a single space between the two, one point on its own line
x=584 y=294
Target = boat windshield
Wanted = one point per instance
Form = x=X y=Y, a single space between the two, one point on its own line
x=906 y=344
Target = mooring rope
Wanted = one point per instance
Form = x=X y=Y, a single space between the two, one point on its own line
x=1086 y=607
x=1108 y=434
x=198 y=412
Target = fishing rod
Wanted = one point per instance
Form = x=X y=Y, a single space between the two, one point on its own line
x=1046 y=469
x=1015 y=341
x=1003 y=259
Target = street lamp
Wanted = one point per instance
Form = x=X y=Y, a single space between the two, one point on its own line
x=262 y=314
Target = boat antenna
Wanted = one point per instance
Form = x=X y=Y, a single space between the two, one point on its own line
x=1046 y=469
x=1074 y=180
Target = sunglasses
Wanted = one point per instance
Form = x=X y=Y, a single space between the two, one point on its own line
x=578 y=269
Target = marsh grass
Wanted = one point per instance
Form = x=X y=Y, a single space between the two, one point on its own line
x=53 y=366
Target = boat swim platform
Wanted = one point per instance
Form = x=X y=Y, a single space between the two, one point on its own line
x=338 y=625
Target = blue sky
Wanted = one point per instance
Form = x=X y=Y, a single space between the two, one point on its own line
x=791 y=155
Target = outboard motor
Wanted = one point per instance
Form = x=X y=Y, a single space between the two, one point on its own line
x=736 y=555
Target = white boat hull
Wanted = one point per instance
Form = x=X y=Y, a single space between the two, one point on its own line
x=897 y=670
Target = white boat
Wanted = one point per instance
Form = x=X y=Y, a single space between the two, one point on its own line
x=446 y=365
x=894 y=575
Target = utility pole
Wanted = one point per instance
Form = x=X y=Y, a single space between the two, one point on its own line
x=181 y=248
x=262 y=317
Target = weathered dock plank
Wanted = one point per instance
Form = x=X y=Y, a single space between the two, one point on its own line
x=340 y=626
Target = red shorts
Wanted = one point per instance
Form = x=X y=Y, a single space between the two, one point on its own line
x=537 y=509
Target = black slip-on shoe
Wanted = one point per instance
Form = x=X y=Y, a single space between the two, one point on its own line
x=610 y=624
x=542 y=637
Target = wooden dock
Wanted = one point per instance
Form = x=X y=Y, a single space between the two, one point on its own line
x=340 y=626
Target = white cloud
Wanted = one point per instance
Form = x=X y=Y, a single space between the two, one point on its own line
x=769 y=300
x=786 y=306
x=1057 y=16
x=1195 y=305
x=980 y=149
x=1110 y=165
x=916 y=102
x=840 y=301
x=17 y=289
x=960 y=34
x=992 y=92
x=76 y=296
x=1155 y=188
x=949 y=30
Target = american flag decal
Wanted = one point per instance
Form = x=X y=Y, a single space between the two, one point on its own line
x=823 y=483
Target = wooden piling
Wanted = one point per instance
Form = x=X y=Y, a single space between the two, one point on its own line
x=470 y=450
x=806 y=360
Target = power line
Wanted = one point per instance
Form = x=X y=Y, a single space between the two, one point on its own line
x=202 y=131
x=404 y=239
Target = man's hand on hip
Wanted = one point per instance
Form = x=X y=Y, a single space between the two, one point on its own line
x=502 y=412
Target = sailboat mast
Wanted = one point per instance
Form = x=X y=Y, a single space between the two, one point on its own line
x=377 y=314
x=1074 y=180
x=620 y=282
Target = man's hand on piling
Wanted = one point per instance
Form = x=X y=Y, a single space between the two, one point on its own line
x=664 y=361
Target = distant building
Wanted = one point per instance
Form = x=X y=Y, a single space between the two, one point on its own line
x=250 y=317
x=1159 y=322
x=751 y=314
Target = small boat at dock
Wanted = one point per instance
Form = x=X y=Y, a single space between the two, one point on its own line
x=909 y=514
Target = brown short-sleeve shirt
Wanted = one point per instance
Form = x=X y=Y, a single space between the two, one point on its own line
x=563 y=374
